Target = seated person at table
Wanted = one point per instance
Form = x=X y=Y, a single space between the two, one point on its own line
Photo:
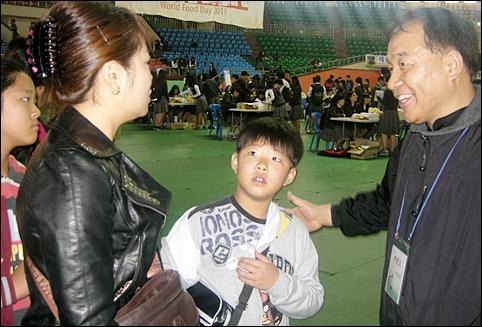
x=260 y=97
x=365 y=105
x=229 y=118
x=330 y=130
x=224 y=258
x=252 y=91
x=177 y=111
x=260 y=94
x=351 y=107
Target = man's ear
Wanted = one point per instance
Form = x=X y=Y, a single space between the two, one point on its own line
x=291 y=177
x=234 y=162
x=455 y=64
x=111 y=74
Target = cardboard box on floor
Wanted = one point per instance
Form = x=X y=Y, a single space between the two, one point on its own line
x=192 y=119
x=364 y=149
x=181 y=125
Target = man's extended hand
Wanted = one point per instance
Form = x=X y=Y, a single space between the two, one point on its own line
x=314 y=216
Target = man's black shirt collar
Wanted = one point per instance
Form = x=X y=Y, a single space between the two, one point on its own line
x=447 y=120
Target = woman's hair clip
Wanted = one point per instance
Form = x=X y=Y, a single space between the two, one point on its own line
x=42 y=49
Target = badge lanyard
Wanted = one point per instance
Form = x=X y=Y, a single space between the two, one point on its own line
x=401 y=248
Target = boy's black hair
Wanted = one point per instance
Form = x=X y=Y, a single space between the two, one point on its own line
x=276 y=132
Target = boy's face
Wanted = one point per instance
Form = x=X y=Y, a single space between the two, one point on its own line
x=262 y=171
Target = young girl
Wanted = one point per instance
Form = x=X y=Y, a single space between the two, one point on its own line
x=161 y=104
x=175 y=66
x=193 y=65
x=201 y=102
x=277 y=101
x=19 y=128
x=296 y=106
x=177 y=111
x=213 y=72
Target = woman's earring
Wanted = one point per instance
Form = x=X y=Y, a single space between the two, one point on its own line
x=115 y=92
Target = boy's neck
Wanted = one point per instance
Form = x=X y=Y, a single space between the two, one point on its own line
x=258 y=209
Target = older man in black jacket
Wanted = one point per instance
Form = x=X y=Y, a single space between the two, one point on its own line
x=429 y=198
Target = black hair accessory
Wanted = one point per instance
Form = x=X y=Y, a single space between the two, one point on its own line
x=42 y=49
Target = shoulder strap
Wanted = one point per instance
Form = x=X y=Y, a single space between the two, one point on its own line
x=44 y=287
x=242 y=301
x=247 y=290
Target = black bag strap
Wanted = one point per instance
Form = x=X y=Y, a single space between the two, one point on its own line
x=243 y=301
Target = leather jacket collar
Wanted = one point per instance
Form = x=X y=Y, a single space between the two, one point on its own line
x=84 y=133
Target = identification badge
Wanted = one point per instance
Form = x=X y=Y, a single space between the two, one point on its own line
x=396 y=269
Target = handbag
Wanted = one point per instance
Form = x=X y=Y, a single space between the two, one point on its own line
x=161 y=301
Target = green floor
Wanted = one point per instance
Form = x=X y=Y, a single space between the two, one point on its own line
x=195 y=167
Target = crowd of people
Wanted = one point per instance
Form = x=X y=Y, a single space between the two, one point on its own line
x=89 y=218
x=337 y=98
x=276 y=89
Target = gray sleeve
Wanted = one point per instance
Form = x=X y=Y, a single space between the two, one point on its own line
x=299 y=295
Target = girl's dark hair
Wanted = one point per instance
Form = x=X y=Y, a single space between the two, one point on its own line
x=17 y=49
x=11 y=67
x=90 y=34
x=276 y=132
x=174 y=87
x=295 y=81
x=444 y=30
x=161 y=74
x=190 y=80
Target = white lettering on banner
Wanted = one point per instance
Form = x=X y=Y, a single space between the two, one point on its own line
x=247 y=14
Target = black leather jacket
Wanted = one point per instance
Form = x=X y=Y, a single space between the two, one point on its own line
x=89 y=218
